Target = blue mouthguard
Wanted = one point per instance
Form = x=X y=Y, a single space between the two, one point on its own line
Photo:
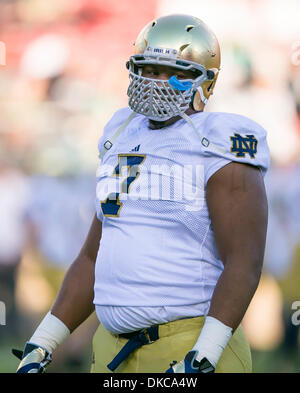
x=176 y=84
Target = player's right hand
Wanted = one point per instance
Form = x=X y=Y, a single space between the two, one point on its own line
x=34 y=359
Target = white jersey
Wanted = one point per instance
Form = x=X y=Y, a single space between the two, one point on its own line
x=157 y=247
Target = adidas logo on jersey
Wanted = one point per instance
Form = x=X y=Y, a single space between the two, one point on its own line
x=137 y=148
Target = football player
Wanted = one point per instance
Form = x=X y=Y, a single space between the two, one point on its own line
x=174 y=253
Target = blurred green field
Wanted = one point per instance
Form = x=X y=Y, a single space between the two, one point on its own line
x=276 y=361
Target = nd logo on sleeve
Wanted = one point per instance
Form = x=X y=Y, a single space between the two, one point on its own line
x=242 y=145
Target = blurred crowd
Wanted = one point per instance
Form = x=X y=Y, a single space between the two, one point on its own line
x=64 y=76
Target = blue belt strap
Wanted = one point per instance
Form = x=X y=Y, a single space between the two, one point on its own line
x=135 y=342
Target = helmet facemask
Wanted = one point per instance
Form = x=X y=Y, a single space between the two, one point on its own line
x=158 y=99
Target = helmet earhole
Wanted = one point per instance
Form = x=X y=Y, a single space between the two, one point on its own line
x=210 y=74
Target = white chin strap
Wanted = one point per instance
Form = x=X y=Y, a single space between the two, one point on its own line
x=204 y=141
x=203 y=98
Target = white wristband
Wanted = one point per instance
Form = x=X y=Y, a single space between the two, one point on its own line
x=50 y=333
x=213 y=339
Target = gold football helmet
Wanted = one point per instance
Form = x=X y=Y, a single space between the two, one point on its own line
x=180 y=41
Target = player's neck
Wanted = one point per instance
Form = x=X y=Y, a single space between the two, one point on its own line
x=156 y=125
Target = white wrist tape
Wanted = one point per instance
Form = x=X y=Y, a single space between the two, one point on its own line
x=50 y=333
x=213 y=339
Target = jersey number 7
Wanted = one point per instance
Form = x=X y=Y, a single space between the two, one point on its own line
x=111 y=206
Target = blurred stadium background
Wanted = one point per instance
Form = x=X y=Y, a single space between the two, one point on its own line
x=62 y=75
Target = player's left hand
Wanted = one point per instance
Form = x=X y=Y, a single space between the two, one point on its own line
x=190 y=365
x=34 y=359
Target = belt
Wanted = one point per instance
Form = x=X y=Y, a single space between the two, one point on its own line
x=136 y=340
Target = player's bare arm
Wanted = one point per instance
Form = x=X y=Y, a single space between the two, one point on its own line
x=237 y=204
x=78 y=285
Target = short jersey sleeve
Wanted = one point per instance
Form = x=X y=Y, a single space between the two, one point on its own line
x=236 y=138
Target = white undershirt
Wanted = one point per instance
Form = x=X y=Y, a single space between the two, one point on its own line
x=118 y=319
